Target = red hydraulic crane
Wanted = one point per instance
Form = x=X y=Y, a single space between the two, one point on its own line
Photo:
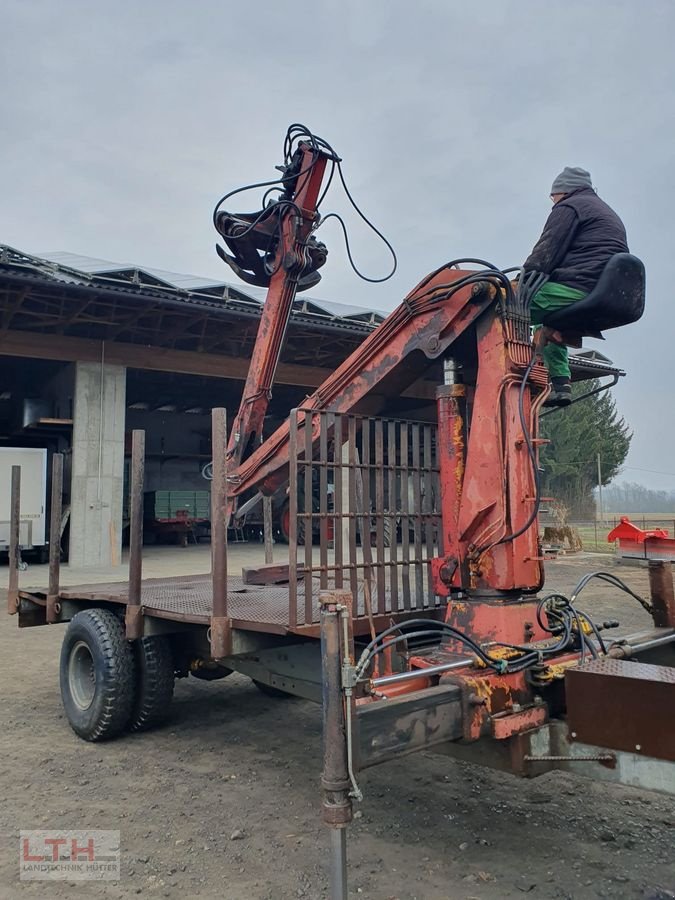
x=502 y=652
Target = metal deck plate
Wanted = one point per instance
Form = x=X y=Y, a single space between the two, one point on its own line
x=189 y=598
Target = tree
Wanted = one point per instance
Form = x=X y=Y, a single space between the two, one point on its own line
x=577 y=435
x=630 y=497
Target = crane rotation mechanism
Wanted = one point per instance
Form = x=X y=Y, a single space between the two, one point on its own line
x=486 y=667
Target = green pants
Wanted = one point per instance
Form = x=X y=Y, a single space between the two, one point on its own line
x=554 y=296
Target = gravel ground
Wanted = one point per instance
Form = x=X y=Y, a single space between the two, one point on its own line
x=223 y=802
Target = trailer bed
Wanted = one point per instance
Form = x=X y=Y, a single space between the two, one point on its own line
x=189 y=598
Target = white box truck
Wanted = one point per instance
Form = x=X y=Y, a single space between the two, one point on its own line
x=32 y=529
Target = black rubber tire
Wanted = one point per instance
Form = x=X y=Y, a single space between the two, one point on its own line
x=270 y=691
x=97 y=656
x=154 y=682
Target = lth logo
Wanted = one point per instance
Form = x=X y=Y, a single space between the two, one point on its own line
x=74 y=851
x=69 y=855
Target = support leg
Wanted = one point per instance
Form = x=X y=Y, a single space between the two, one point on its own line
x=338 y=864
x=337 y=804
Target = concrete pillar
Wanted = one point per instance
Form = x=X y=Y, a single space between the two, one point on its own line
x=98 y=465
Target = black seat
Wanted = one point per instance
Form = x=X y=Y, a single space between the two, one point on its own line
x=617 y=299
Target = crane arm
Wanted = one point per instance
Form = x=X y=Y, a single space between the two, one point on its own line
x=429 y=320
x=282 y=232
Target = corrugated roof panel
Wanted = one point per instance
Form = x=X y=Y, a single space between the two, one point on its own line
x=344 y=310
x=187 y=282
x=312 y=305
x=89 y=264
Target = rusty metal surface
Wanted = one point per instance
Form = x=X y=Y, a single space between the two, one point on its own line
x=290 y=260
x=55 y=536
x=220 y=636
x=191 y=596
x=622 y=705
x=391 y=728
x=136 y=515
x=366 y=491
x=505 y=725
x=662 y=593
x=337 y=805
x=218 y=512
x=133 y=619
x=432 y=316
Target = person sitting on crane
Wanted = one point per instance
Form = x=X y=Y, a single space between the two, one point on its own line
x=581 y=234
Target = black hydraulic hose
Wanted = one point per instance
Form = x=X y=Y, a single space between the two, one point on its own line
x=490 y=270
x=595 y=630
x=299 y=132
x=268 y=210
x=613 y=580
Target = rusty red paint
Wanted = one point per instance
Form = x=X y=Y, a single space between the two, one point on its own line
x=296 y=225
x=493 y=619
x=405 y=331
x=451 y=403
x=505 y=725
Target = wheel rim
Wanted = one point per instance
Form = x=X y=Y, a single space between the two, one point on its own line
x=81 y=675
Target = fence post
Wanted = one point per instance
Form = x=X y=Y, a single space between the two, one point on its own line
x=55 y=538
x=14 y=528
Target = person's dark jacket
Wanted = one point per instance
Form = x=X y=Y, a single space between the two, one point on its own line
x=579 y=237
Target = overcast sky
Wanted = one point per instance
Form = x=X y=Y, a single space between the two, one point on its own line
x=122 y=123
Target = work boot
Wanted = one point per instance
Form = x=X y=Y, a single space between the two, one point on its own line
x=561 y=393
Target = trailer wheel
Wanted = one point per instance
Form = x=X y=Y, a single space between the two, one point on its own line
x=285 y=526
x=96 y=675
x=154 y=682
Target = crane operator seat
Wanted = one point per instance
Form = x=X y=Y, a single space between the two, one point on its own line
x=617 y=299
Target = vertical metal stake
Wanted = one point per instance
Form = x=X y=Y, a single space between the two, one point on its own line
x=55 y=537
x=221 y=632
x=133 y=618
x=14 y=526
x=337 y=804
x=662 y=593
x=267 y=529
x=338 y=864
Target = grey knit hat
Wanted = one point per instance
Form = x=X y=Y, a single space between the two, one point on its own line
x=571 y=179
